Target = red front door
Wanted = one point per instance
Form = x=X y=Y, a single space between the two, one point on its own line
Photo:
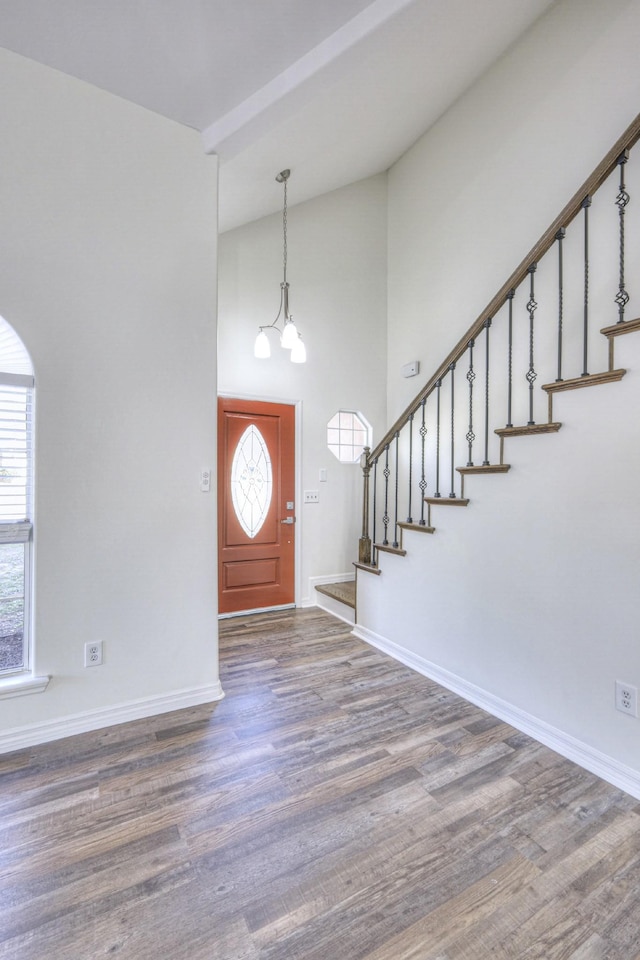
x=256 y=509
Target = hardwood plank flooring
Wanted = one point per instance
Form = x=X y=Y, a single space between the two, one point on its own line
x=334 y=805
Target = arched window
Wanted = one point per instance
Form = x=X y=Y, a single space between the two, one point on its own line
x=16 y=501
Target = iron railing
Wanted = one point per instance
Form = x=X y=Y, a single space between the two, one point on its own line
x=540 y=320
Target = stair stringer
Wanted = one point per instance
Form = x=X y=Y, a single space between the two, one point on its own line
x=531 y=595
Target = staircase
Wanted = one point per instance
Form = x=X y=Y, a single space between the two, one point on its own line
x=416 y=468
x=338 y=598
x=517 y=607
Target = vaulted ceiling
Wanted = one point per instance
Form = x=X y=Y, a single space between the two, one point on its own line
x=336 y=90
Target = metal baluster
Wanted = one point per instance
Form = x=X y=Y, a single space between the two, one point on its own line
x=622 y=297
x=485 y=462
x=385 y=518
x=531 y=373
x=510 y=297
x=560 y=235
x=586 y=203
x=423 y=482
x=470 y=378
x=395 y=526
x=409 y=517
x=452 y=368
x=437 y=490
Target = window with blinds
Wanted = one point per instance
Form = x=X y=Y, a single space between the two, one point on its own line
x=16 y=499
x=15 y=453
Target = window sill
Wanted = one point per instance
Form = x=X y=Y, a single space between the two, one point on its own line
x=21 y=685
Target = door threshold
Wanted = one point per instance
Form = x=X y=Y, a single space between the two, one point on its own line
x=247 y=613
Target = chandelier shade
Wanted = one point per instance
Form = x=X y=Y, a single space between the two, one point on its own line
x=289 y=335
x=262 y=348
x=298 y=351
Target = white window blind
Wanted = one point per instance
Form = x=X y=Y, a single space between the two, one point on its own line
x=16 y=428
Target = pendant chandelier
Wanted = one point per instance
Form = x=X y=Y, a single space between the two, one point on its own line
x=290 y=339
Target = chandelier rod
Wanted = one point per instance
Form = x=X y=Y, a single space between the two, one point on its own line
x=282 y=177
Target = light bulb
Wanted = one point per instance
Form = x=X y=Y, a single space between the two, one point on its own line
x=298 y=351
x=261 y=348
x=289 y=335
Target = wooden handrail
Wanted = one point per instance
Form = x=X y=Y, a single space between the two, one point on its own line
x=588 y=188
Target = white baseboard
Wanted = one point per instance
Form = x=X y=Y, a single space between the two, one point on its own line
x=604 y=766
x=28 y=736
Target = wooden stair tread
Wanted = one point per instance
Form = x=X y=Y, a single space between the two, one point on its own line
x=528 y=429
x=344 y=591
x=387 y=548
x=367 y=567
x=589 y=380
x=486 y=468
x=419 y=527
x=618 y=329
x=447 y=501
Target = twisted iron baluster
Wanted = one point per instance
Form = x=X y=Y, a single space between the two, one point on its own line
x=437 y=490
x=560 y=235
x=409 y=517
x=423 y=482
x=470 y=378
x=452 y=368
x=531 y=373
x=510 y=297
x=485 y=462
x=586 y=203
x=385 y=518
x=622 y=297
x=395 y=522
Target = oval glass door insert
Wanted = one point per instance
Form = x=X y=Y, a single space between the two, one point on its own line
x=251 y=481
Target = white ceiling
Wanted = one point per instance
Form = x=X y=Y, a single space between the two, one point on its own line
x=336 y=90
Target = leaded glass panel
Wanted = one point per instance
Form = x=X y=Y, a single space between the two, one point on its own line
x=251 y=481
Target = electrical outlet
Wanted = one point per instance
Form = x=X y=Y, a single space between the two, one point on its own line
x=626 y=698
x=311 y=496
x=93 y=654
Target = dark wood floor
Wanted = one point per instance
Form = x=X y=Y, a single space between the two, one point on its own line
x=334 y=806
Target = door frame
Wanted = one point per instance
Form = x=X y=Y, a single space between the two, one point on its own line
x=297 y=575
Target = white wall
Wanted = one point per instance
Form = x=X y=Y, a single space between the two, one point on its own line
x=527 y=600
x=337 y=272
x=108 y=274
x=530 y=594
x=475 y=193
